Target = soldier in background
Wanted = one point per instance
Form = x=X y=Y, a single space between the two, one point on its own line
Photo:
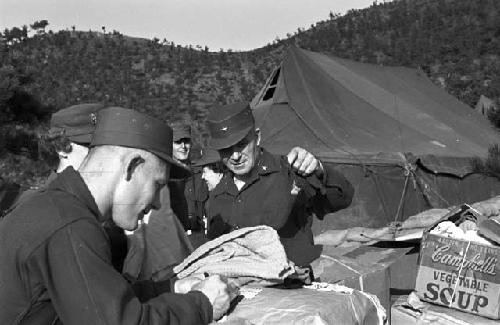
x=67 y=141
x=210 y=171
x=185 y=193
x=212 y=168
x=66 y=144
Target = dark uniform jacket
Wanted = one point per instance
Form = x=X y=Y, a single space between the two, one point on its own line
x=156 y=247
x=27 y=193
x=187 y=197
x=115 y=234
x=275 y=196
x=56 y=267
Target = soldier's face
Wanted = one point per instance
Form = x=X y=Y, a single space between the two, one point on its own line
x=136 y=196
x=242 y=157
x=211 y=177
x=181 y=149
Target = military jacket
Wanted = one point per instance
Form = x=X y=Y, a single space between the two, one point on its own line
x=56 y=267
x=276 y=196
x=187 y=197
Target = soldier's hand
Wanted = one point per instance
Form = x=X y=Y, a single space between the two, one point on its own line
x=304 y=162
x=218 y=293
x=185 y=285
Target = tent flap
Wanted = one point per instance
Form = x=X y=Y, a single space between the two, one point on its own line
x=455 y=166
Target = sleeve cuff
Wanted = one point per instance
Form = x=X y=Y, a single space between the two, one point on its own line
x=206 y=309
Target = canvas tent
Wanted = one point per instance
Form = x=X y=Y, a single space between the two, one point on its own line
x=404 y=143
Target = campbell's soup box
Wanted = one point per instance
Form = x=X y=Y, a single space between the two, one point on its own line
x=459 y=274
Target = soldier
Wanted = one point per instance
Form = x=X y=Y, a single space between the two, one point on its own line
x=70 y=134
x=212 y=167
x=56 y=258
x=185 y=192
x=212 y=171
x=161 y=241
x=67 y=144
x=260 y=188
x=67 y=141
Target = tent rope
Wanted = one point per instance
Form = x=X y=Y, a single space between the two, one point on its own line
x=408 y=172
x=381 y=198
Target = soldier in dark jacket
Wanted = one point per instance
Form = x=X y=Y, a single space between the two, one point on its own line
x=56 y=257
x=260 y=188
x=186 y=194
x=66 y=144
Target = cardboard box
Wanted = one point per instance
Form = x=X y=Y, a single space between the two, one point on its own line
x=459 y=274
x=402 y=314
x=303 y=306
x=365 y=268
x=404 y=271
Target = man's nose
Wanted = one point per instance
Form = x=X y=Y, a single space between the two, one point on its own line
x=236 y=155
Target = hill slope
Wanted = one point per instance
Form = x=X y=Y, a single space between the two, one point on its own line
x=457 y=42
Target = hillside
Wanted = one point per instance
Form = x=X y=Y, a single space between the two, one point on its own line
x=457 y=43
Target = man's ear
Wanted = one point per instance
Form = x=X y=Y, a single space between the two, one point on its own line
x=132 y=165
x=257 y=134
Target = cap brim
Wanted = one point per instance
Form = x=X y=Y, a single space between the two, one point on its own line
x=177 y=137
x=177 y=169
x=234 y=138
x=204 y=162
x=81 y=139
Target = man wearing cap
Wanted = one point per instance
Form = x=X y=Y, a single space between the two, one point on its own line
x=212 y=171
x=68 y=139
x=262 y=188
x=56 y=258
x=160 y=243
x=73 y=127
x=212 y=167
x=183 y=191
x=67 y=144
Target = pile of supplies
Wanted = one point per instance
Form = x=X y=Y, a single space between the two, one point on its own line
x=458 y=264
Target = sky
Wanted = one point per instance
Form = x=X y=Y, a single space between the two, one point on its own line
x=228 y=24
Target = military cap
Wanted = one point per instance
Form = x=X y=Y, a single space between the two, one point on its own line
x=181 y=131
x=229 y=124
x=128 y=128
x=76 y=122
x=208 y=156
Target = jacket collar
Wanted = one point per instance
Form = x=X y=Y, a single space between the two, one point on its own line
x=267 y=164
x=71 y=182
